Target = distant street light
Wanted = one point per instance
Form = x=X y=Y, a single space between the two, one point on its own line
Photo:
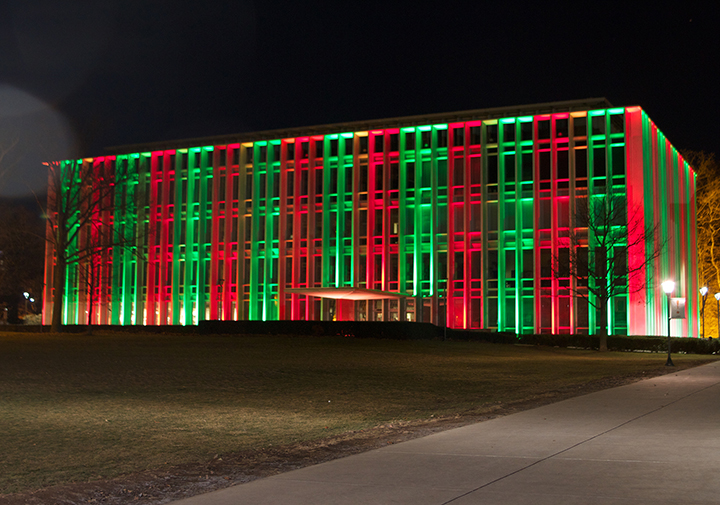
x=703 y=291
x=668 y=287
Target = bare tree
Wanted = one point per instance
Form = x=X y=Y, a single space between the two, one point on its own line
x=92 y=271
x=21 y=253
x=81 y=198
x=708 y=224
x=607 y=253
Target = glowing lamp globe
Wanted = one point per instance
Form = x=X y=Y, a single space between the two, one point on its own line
x=668 y=287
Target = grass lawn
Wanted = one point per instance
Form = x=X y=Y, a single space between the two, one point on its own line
x=81 y=407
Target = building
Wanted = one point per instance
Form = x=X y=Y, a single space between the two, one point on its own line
x=446 y=218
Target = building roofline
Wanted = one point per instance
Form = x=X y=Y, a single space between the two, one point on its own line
x=397 y=122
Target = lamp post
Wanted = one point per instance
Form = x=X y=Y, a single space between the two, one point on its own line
x=717 y=297
x=703 y=291
x=668 y=287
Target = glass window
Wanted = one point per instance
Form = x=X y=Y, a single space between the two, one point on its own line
x=458 y=172
x=458 y=137
x=492 y=264
x=618 y=160
x=527 y=166
x=492 y=133
x=394 y=142
x=476 y=170
x=509 y=216
x=509 y=132
x=379 y=169
x=510 y=168
x=410 y=175
x=563 y=213
x=476 y=264
x=492 y=175
x=410 y=141
x=363 y=145
x=545 y=166
x=527 y=214
x=561 y=127
x=492 y=216
x=545 y=263
x=459 y=266
x=379 y=143
x=563 y=165
x=442 y=138
x=526 y=130
x=598 y=125
x=476 y=217
x=544 y=129
x=426 y=175
x=527 y=266
x=599 y=162
x=458 y=218
x=545 y=214
x=394 y=176
x=580 y=126
x=580 y=163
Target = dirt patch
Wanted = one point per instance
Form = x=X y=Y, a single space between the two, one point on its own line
x=175 y=483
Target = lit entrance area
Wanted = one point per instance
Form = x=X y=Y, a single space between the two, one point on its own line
x=358 y=304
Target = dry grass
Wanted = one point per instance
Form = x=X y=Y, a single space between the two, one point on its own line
x=80 y=407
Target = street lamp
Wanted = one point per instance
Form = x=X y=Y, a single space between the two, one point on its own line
x=668 y=287
x=717 y=297
x=703 y=291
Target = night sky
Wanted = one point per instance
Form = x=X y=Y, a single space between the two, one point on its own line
x=85 y=75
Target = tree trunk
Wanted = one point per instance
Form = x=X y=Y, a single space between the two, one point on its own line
x=91 y=296
x=58 y=292
x=602 y=326
x=59 y=271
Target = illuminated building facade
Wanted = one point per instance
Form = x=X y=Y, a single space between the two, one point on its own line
x=450 y=218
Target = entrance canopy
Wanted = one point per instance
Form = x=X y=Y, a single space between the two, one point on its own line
x=347 y=293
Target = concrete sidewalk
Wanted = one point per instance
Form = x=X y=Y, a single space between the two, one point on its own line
x=656 y=442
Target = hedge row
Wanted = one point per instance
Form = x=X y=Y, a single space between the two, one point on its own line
x=407 y=331
x=398 y=330
x=614 y=342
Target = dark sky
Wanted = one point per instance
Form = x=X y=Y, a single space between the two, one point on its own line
x=106 y=73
